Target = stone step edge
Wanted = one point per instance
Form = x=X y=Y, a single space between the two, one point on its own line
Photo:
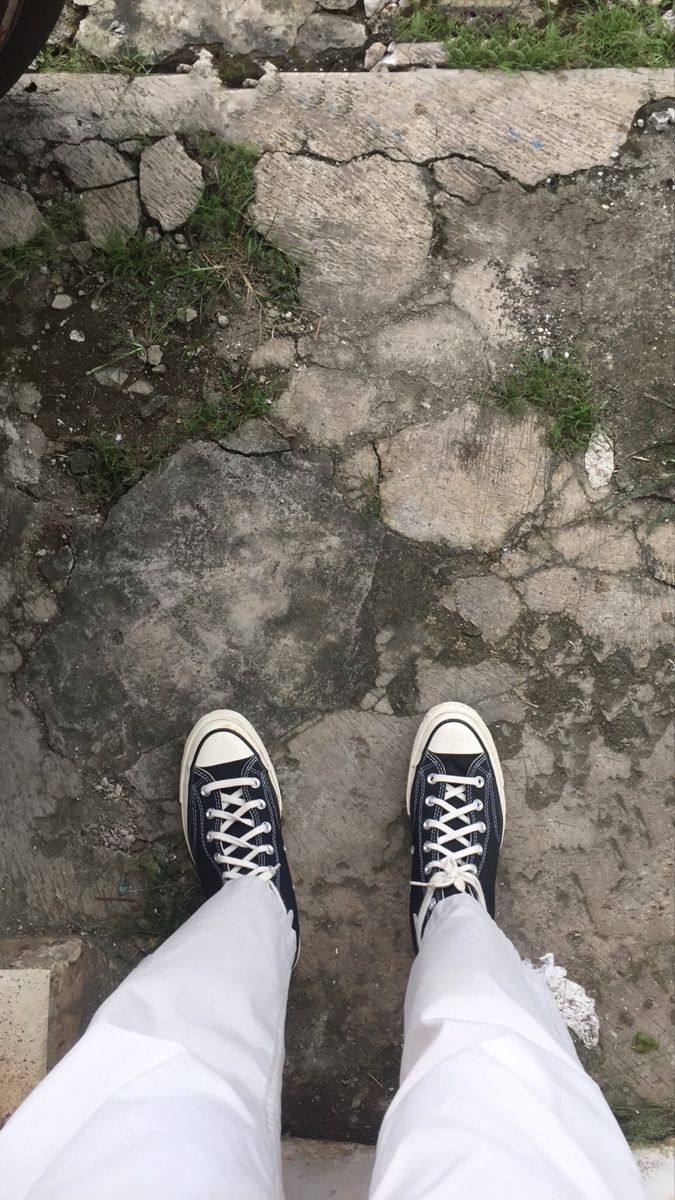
x=317 y=1170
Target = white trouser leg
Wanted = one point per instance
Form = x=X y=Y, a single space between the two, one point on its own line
x=174 y=1090
x=493 y=1099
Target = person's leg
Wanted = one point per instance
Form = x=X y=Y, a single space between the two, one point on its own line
x=493 y=1099
x=174 y=1090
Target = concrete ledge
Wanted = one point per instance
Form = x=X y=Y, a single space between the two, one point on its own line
x=528 y=125
x=43 y=990
x=326 y=1170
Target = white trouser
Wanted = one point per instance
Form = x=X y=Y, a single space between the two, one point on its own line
x=174 y=1090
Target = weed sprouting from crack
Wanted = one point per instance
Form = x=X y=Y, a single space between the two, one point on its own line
x=116 y=467
x=562 y=389
x=222 y=253
x=370 y=502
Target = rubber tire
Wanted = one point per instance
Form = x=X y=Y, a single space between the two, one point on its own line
x=32 y=26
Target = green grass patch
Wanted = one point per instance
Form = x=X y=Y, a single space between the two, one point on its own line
x=643 y=1122
x=597 y=34
x=78 y=60
x=562 y=389
x=424 y=22
x=370 y=502
x=644 y=1043
x=117 y=465
x=61 y=224
x=222 y=255
x=234 y=401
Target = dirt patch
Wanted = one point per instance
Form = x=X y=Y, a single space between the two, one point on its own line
x=140 y=345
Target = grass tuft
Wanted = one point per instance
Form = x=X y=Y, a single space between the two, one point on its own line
x=116 y=467
x=592 y=34
x=223 y=253
x=560 y=388
x=644 y=1043
x=78 y=60
x=61 y=224
x=424 y=22
x=370 y=501
x=225 y=408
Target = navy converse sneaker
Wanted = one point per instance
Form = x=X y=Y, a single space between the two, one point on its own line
x=456 y=805
x=231 y=805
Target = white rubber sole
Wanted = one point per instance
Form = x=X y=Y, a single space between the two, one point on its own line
x=443 y=712
x=232 y=722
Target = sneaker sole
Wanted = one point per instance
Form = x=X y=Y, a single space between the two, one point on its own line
x=461 y=712
x=232 y=722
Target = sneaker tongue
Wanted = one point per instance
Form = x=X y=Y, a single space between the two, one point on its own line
x=231 y=770
x=459 y=764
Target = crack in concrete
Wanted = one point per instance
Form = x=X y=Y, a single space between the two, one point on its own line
x=550 y=182
x=397 y=156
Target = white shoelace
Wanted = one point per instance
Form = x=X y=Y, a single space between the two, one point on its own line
x=233 y=808
x=451 y=868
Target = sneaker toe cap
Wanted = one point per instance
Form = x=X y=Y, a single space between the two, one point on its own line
x=222 y=746
x=453 y=738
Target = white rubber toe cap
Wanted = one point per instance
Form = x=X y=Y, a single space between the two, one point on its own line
x=453 y=737
x=222 y=747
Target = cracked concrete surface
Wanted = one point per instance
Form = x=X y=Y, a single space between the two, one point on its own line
x=393 y=539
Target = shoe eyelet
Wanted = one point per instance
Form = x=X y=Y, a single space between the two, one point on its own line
x=478 y=849
x=269 y=849
x=478 y=805
x=430 y=801
x=482 y=827
x=262 y=804
x=479 y=782
x=210 y=813
x=431 y=779
x=209 y=837
x=255 y=784
x=266 y=827
x=428 y=868
x=425 y=824
x=203 y=792
x=427 y=847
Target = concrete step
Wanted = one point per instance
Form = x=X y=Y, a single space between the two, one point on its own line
x=341 y=1171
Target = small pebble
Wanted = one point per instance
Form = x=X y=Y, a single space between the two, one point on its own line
x=659 y=121
x=76 y=335
x=61 y=300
